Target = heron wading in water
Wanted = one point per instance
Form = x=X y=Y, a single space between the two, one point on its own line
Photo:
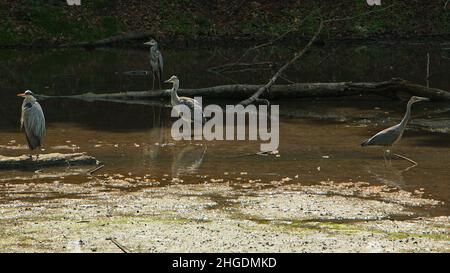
x=32 y=120
x=390 y=136
x=191 y=103
x=156 y=62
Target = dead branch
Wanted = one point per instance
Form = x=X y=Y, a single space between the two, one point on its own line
x=297 y=56
x=95 y=169
x=271 y=42
x=277 y=38
x=266 y=87
x=358 y=15
x=121 y=247
x=240 y=67
x=112 y=40
x=393 y=89
x=46 y=160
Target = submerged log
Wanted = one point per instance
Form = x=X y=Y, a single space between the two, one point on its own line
x=46 y=160
x=394 y=89
x=112 y=40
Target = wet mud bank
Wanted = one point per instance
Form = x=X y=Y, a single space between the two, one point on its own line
x=219 y=216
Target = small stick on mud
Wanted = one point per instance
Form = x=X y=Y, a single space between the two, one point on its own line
x=253 y=154
x=123 y=248
x=95 y=170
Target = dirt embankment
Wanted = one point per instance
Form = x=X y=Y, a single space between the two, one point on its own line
x=49 y=23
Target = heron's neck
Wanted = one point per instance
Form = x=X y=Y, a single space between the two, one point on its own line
x=407 y=115
x=28 y=100
x=173 y=93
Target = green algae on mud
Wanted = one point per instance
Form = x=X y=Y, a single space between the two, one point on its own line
x=186 y=218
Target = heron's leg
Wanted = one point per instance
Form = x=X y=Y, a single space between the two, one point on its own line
x=407 y=159
x=159 y=80
x=154 y=116
x=153 y=84
x=390 y=156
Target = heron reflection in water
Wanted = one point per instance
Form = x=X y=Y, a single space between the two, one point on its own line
x=188 y=160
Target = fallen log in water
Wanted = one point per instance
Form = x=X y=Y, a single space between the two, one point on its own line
x=394 y=89
x=112 y=40
x=46 y=160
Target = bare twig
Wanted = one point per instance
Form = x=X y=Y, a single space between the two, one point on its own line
x=278 y=38
x=286 y=79
x=96 y=169
x=358 y=15
x=121 y=247
x=297 y=56
x=272 y=80
x=238 y=67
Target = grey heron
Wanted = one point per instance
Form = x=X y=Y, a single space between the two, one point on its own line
x=32 y=120
x=390 y=136
x=191 y=103
x=156 y=62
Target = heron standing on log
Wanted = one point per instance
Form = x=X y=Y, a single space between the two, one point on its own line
x=33 y=120
x=156 y=61
x=390 y=136
x=191 y=103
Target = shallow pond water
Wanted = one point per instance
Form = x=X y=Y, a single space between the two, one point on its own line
x=319 y=140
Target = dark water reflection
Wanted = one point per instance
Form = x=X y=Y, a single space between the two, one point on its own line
x=319 y=140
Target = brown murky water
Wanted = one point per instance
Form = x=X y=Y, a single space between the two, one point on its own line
x=319 y=140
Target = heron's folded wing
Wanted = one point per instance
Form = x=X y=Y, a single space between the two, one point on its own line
x=191 y=103
x=386 y=137
x=34 y=121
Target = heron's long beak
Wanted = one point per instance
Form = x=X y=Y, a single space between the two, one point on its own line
x=423 y=99
x=168 y=81
x=21 y=95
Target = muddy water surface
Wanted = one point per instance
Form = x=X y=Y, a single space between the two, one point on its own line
x=319 y=140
